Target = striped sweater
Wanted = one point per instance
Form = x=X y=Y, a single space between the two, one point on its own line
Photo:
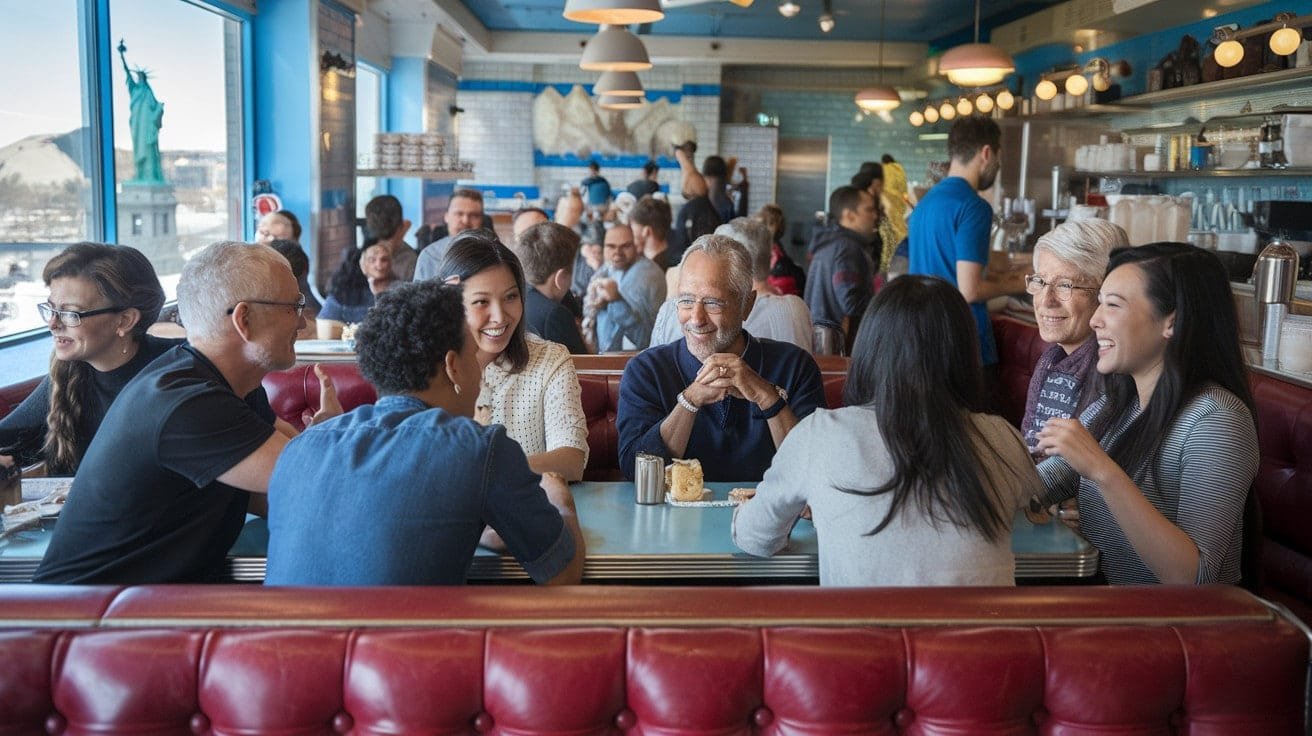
x=1204 y=466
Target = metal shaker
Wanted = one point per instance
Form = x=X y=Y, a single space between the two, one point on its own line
x=1273 y=285
x=649 y=478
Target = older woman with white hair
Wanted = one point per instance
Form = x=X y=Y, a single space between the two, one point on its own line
x=1069 y=263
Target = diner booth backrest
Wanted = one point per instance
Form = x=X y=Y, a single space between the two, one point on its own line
x=645 y=660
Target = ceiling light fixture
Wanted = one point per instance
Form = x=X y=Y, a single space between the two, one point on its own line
x=613 y=12
x=1046 y=89
x=1076 y=85
x=965 y=107
x=984 y=103
x=789 y=9
x=916 y=118
x=1284 y=40
x=618 y=84
x=1006 y=100
x=976 y=64
x=614 y=49
x=827 y=17
x=881 y=97
x=947 y=111
x=931 y=114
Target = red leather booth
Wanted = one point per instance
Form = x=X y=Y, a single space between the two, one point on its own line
x=609 y=660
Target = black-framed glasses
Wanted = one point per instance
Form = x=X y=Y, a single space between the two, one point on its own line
x=70 y=318
x=712 y=306
x=1063 y=289
x=298 y=305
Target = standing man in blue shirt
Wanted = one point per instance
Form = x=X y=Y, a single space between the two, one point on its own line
x=719 y=394
x=949 y=233
x=398 y=492
x=595 y=188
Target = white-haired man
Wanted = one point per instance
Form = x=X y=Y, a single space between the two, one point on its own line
x=163 y=490
x=719 y=394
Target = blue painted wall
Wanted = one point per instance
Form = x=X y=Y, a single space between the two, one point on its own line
x=283 y=137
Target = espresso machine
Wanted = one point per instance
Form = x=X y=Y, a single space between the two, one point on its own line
x=1289 y=221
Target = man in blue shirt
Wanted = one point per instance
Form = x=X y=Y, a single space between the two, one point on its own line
x=624 y=295
x=719 y=394
x=949 y=229
x=841 y=280
x=398 y=492
x=595 y=187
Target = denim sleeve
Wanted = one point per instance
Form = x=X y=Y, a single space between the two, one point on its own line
x=515 y=505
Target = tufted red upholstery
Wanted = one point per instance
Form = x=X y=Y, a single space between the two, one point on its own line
x=605 y=660
x=12 y=396
x=294 y=394
x=1019 y=349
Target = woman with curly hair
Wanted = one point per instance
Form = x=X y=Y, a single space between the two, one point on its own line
x=102 y=300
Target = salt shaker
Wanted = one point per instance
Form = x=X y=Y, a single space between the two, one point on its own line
x=649 y=478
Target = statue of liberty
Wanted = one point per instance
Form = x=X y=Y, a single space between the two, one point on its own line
x=146 y=117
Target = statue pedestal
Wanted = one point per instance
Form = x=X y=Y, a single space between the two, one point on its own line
x=147 y=221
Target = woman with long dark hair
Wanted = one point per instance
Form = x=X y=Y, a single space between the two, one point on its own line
x=102 y=300
x=910 y=483
x=1164 y=467
x=529 y=384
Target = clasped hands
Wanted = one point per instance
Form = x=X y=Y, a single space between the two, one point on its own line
x=725 y=374
x=603 y=291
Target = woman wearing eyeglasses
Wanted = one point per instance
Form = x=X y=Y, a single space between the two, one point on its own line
x=102 y=299
x=1069 y=263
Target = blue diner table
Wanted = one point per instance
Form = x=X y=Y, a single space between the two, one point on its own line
x=628 y=542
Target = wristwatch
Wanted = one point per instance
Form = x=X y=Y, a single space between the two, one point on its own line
x=772 y=410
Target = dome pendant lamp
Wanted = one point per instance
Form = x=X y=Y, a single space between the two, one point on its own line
x=976 y=64
x=618 y=84
x=614 y=49
x=614 y=12
x=615 y=102
x=881 y=97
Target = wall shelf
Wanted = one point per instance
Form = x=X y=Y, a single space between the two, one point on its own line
x=1194 y=174
x=429 y=175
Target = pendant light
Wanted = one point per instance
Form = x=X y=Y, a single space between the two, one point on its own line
x=613 y=12
x=614 y=49
x=976 y=64
x=881 y=97
x=789 y=9
x=618 y=84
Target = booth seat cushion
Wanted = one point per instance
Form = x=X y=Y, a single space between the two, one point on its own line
x=651 y=661
x=13 y=395
x=1284 y=488
x=1019 y=349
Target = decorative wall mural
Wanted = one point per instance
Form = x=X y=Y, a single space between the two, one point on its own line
x=574 y=124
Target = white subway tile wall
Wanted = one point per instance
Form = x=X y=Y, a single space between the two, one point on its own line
x=757 y=149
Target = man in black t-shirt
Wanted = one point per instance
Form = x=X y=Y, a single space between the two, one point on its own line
x=163 y=490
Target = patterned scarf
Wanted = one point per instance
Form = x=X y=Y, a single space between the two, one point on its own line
x=1060 y=387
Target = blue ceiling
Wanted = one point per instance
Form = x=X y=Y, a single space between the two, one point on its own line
x=940 y=23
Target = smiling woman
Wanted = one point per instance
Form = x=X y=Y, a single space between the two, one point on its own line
x=525 y=379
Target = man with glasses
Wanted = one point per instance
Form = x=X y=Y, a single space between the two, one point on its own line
x=718 y=395
x=624 y=295
x=163 y=490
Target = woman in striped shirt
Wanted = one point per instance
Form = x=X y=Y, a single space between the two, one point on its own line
x=1163 y=461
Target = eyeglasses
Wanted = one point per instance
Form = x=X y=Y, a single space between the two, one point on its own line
x=70 y=318
x=712 y=306
x=298 y=305
x=1034 y=285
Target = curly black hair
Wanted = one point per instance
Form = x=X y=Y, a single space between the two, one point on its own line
x=403 y=341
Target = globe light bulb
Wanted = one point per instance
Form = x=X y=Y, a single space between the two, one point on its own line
x=916 y=119
x=1045 y=90
x=789 y=9
x=1076 y=85
x=1286 y=41
x=931 y=114
x=1102 y=82
x=984 y=104
x=964 y=107
x=1006 y=100
x=947 y=111
x=826 y=23
x=1229 y=53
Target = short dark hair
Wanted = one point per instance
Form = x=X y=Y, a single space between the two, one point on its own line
x=465 y=193
x=873 y=168
x=653 y=213
x=544 y=249
x=715 y=166
x=295 y=255
x=651 y=167
x=382 y=216
x=525 y=210
x=861 y=180
x=594 y=166
x=475 y=251
x=404 y=339
x=971 y=133
x=295 y=223
x=843 y=199
x=773 y=217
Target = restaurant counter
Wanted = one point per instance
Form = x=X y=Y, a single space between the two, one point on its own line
x=628 y=542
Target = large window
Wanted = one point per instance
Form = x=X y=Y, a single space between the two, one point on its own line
x=368 y=121
x=174 y=94
x=46 y=144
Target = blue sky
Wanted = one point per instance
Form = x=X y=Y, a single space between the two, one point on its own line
x=180 y=44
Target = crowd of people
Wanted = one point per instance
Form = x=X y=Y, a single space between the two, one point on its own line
x=1134 y=431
